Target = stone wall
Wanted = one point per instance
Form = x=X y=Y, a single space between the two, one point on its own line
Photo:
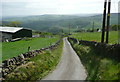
x=10 y=64
x=101 y=49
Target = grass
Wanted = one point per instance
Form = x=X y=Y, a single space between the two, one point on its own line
x=98 y=66
x=96 y=36
x=12 y=49
x=38 y=66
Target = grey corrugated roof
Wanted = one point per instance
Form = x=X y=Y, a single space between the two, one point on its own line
x=10 y=29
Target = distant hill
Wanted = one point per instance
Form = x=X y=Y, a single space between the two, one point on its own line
x=54 y=23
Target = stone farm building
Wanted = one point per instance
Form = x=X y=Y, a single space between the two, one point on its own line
x=9 y=33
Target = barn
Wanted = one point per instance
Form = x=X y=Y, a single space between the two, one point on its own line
x=9 y=33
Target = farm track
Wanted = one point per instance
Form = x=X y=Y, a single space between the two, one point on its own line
x=69 y=67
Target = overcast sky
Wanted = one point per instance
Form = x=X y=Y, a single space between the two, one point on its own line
x=39 y=7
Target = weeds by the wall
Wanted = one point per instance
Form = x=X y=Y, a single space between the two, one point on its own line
x=98 y=66
x=38 y=66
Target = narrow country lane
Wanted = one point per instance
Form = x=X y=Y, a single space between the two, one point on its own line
x=69 y=67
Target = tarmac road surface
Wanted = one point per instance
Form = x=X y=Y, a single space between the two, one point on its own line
x=69 y=67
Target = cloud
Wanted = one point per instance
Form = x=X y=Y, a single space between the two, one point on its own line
x=31 y=7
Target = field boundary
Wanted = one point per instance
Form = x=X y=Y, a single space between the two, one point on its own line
x=10 y=64
x=102 y=61
x=110 y=51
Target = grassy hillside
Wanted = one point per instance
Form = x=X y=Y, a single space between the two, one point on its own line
x=98 y=66
x=38 y=66
x=54 y=23
x=11 y=49
x=96 y=36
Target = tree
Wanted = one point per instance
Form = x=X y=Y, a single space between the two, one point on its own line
x=15 y=24
x=115 y=27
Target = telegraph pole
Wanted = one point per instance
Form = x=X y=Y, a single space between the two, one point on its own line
x=62 y=31
x=104 y=20
x=93 y=27
x=108 y=21
x=69 y=28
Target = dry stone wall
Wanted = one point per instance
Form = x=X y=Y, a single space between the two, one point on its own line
x=10 y=64
x=101 y=49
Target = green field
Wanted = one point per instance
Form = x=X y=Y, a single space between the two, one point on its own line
x=12 y=49
x=96 y=36
x=38 y=66
x=98 y=65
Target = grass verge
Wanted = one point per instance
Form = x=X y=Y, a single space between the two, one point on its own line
x=97 y=66
x=38 y=66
